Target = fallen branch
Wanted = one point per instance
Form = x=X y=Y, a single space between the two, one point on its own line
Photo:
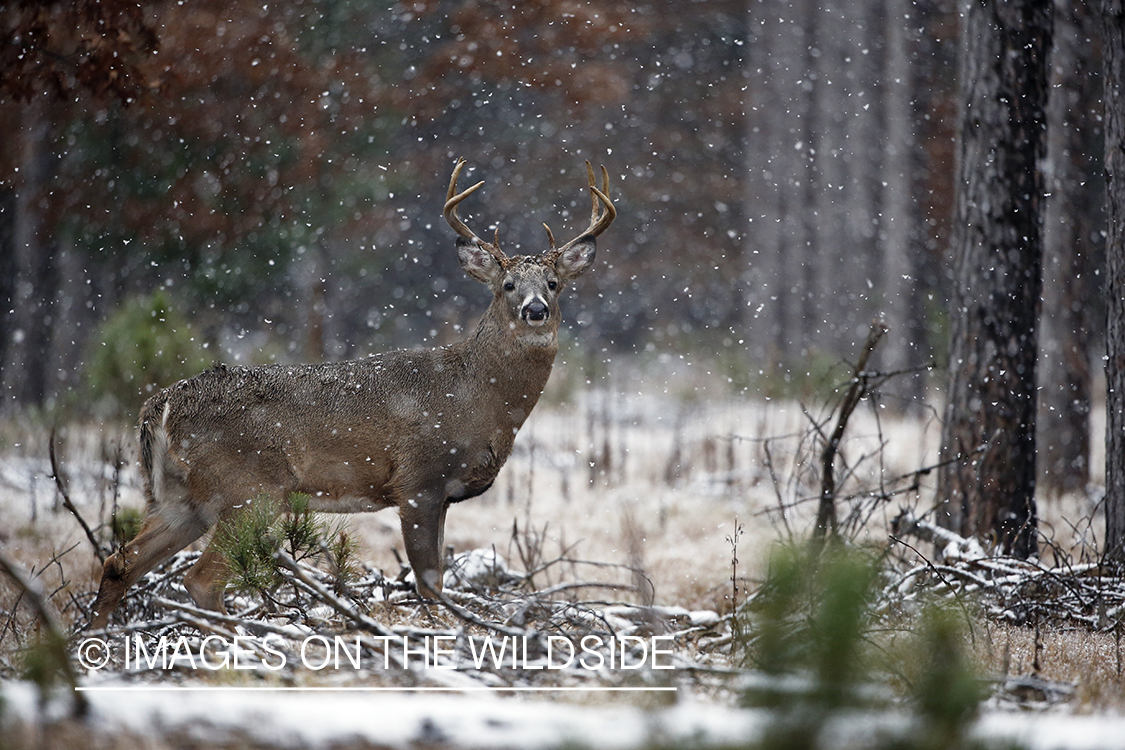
x=1014 y=590
x=949 y=544
x=344 y=608
x=471 y=618
x=938 y=573
x=184 y=611
x=54 y=637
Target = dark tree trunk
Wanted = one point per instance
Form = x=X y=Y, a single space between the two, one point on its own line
x=997 y=244
x=1113 y=55
x=34 y=285
x=7 y=283
x=1071 y=216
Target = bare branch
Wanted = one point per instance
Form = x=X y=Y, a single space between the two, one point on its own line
x=60 y=483
x=826 y=510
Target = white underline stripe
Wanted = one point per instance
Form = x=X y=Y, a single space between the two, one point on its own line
x=283 y=688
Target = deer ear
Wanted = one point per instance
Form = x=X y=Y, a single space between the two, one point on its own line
x=576 y=259
x=477 y=262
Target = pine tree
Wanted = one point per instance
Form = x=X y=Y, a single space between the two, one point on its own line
x=1113 y=19
x=990 y=416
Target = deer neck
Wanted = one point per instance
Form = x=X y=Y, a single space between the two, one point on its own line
x=517 y=362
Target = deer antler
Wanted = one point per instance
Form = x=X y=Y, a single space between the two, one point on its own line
x=599 y=220
x=452 y=198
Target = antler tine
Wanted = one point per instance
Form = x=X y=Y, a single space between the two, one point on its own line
x=595 y=214
x=598 y=225
x=599 y=199
x=452 y=198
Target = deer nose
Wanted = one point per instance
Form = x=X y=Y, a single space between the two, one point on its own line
x=535 y=310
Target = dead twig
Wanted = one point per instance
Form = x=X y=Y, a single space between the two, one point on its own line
x=471 y=618
x=956 y=595
x=60 y=483
x=344 y=608
x=826 y=510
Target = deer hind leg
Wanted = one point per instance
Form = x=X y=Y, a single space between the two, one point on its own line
x=207 y=579
x=160 y=538
x=423 y=534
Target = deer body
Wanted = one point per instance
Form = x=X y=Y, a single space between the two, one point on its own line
x=352 y=435
x=414 y=429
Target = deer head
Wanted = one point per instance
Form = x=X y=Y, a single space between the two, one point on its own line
x=527 y=287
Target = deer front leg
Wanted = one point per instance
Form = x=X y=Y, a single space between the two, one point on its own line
x=423 y=534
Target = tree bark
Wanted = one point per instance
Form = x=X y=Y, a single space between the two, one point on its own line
x=997 y=243
x=1113 y=56
x=8 y=202
x=806 y=323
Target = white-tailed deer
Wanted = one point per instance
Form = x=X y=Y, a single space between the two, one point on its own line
x=415 y=429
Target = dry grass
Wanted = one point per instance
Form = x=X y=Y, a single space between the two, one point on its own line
x=1092 y=662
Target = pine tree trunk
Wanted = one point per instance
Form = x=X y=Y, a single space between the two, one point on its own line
x=1113 y=19
x=34 y=282
x=8 y=202
x=997 y=243
x=807 y=144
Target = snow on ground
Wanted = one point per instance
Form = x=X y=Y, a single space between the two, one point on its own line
x=322 y=719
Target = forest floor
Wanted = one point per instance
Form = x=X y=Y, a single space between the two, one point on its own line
x=648 y=503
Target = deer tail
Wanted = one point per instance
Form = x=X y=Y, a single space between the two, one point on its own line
x=156 y=462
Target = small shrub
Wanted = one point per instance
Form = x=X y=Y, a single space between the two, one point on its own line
x=948 y=692
x=141 y=348
x=45 y=662
x=126 y=525
x=814 y=630
x=249 y=540
x=342 y=557
x=299 y=530
x=811 y=618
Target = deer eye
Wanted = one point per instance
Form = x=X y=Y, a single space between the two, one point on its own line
x=552 y=285
x=509 y=286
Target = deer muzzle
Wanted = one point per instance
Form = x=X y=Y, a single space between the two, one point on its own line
x=535 y=312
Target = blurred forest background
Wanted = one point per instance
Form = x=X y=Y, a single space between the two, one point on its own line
x=269 y=177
